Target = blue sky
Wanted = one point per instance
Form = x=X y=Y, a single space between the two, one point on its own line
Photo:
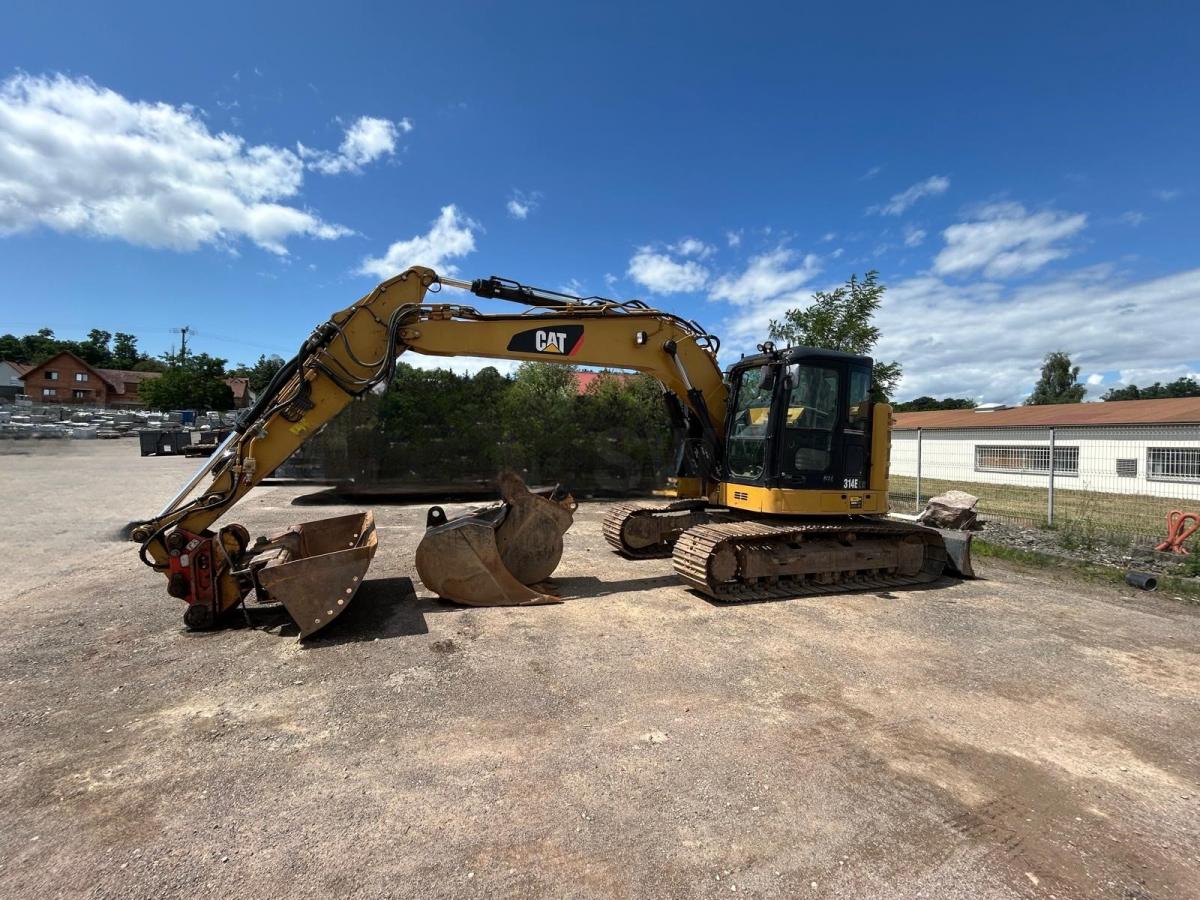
x=1023 y=177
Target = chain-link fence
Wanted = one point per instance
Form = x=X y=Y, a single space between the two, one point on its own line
x=1098 y=482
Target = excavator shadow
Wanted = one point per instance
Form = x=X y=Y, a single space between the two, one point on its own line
x=584 y=587
x=383 y=608
x=891 y=593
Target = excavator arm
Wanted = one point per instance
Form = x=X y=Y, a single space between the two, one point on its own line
x=353 y=353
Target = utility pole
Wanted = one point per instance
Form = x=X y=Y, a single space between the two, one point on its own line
x=183 y=333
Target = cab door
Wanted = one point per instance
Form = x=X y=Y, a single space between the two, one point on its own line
x=856 y=430
x=748 y=427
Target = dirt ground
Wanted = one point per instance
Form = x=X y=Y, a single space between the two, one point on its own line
x=1006 y=737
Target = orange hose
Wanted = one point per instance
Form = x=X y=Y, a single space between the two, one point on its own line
x=1177 y=532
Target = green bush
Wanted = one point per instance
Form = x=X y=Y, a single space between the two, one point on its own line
x=435 y=427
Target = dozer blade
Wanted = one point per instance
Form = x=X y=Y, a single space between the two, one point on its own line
x=315 y=569
x=958 y=552
x=493 y=556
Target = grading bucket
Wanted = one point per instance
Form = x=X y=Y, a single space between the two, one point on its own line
x=316 y=568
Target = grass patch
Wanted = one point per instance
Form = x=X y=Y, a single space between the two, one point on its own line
x=1167 y=584
x=1091 y=513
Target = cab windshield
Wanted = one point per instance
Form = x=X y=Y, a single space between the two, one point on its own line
x=747 y=448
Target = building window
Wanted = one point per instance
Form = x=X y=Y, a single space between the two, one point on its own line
x=80 y=395
x=1173 y=463
x=1127 y=468
x=49 y=392
x=51 y=375
x=81 y=376
x=1026 y=460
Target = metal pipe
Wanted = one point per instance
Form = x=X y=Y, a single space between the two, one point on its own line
x=1143 y=580
x=455 y=283
x=918 y=468
x=217 y=455
x=1050 y=494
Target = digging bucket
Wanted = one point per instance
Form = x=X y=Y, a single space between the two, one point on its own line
x=497 y=555
x=316 y=568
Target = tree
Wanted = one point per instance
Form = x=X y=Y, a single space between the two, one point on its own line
x=196 y=383
x=1186 y=386
x=841 y=319
x=1059 y=382
x=538 y=416
x=11 y=348
x=41 y=346
x=98 y=349
x=150 y=364
x=125 y=351
x=926 y=404
x=260 y=374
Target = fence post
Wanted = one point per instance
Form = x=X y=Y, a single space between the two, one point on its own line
x=918 y=506
x=1050 y=493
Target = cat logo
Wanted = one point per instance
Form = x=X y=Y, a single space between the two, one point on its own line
x=550 y=341
x=565 y=340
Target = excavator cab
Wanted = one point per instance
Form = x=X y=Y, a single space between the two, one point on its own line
x=799 y=419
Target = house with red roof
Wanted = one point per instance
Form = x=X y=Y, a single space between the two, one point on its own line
x=67 y=379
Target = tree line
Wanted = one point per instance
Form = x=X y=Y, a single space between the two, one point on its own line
x=188 y=380
x=1059 y=383
x=101 y=349
x=434 y=426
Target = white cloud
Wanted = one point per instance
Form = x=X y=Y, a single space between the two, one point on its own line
x=610 y=279
x=1133 y=217
x=365 y=141
x=733 y=238
x=521 y=204
x=901 y=202
x=451 y=236
x=76 y=157
x=660 y=274
x=945 y=335
x=913 y=237
x=1166 y=196
x=828 y=236
x=1095 y=378
x=870 y=173
x=574 y=287
x=767 y=276
x=1144 y=375
x=692 y=247
x=1004 y=240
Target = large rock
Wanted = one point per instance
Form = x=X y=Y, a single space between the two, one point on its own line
x=953 y=509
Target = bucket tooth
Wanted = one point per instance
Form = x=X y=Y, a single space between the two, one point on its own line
x=315 y=569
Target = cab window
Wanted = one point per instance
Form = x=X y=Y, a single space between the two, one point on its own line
x=859 y=398
x=748 y=428
x=811 y=417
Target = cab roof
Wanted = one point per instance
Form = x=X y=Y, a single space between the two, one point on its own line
x=797 y=354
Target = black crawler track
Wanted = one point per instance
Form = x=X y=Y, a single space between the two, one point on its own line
x=684 y=516
x=697 y=547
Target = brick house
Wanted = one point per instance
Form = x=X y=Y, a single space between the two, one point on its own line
x=242 y=395
x=66 y=379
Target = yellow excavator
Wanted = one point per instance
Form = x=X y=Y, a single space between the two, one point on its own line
x=780 y=489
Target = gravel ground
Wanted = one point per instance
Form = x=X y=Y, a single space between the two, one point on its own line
x=1015 y=736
